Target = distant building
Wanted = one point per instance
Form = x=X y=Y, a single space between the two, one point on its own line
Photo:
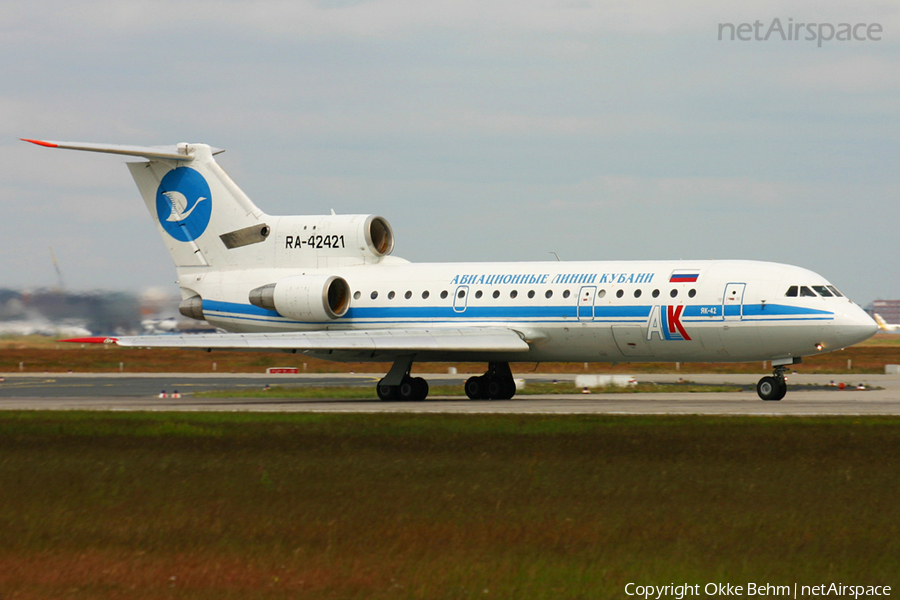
x=888 y=309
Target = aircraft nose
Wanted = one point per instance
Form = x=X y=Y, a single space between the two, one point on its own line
x=855 y=326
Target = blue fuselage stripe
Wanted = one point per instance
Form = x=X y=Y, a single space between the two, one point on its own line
x=400 y=314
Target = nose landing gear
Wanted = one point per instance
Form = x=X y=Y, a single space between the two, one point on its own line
x=774 y=387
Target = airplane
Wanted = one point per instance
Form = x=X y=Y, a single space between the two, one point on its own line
x=885 y=326
x=328 y=286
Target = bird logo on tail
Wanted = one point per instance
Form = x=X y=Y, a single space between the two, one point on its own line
x=184 y=204
x=179 y=203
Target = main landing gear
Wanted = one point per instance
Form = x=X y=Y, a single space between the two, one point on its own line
x=496 y=384
x=773 y=388
x=398 y=385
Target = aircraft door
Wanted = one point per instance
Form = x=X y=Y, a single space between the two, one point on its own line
x=586 y=303
x=460 y=298
x=733 y=302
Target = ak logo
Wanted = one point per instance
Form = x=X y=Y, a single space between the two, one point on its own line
x=665 y=321
x=183 y=204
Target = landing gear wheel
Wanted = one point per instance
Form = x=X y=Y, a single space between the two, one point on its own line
x=387 y=392
x=501 y=389
x=768 y=388
x=476 y=388
x=782 y=384
x=509 y=390
x=774 y=387
x=413 y=389
x=771 y=388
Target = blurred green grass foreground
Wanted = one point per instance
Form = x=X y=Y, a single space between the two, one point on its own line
x=100 y=505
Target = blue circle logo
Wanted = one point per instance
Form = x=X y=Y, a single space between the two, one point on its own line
x=183 y=204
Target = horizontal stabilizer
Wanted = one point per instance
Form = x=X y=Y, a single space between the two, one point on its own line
x=176 y=152
x=482 y=339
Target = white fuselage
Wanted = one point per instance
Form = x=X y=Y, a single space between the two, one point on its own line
x=697 y=311
x=249 y=272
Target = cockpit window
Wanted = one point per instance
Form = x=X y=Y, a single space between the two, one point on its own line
x=823 y=291
x=834 y=290
x=792 y=291
x=805 y=291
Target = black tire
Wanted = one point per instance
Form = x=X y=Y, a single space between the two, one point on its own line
x=770 y=388
x=495 y=389
x=509 y=390
x=407 y=389
x=421 y=387
x=782 y=385
x=386 y=392
x=476 y=388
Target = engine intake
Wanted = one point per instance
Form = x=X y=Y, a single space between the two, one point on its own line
x=305 y=297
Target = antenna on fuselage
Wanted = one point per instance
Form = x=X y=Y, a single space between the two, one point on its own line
x=556 y=255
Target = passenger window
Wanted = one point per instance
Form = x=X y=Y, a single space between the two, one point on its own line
x=836 y=293
x=823 y=291
x=496 y=294
x=673 y=293
x=692 y=293
x=601 y=294
x=655 y=293
x=637 y=293
x=620 y=293
x=566 y=294
x=477 y=294
x=792 y=291
x=407 y=295
x=374 y=295
x=548 y=294
x=531 y=293
x=444 y=295
x=461 y=294
x=805 y=291
x=391 y=295
x=356 y=295
x=513 y=294
x=425 y=295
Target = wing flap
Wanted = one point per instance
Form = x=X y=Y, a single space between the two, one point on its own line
x=483 y=339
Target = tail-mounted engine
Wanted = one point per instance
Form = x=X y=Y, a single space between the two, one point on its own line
x=308 y=298
x=331 y=240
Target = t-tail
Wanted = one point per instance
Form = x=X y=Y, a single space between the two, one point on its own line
x=208 y=223
x=200 y=212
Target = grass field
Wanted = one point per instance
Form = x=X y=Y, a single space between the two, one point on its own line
x=99 y=505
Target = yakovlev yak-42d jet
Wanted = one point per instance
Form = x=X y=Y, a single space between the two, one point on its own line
x=326 y=286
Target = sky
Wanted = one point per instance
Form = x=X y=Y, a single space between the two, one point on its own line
x=482 y=131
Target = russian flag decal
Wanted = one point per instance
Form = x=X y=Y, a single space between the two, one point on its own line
x=684 y=276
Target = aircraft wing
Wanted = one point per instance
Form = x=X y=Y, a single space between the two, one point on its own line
x=482 y=339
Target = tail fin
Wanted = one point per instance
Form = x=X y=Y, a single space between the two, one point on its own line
x=202 y=215
x=881 y=322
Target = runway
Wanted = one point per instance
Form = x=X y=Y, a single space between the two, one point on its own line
x=136 y=392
